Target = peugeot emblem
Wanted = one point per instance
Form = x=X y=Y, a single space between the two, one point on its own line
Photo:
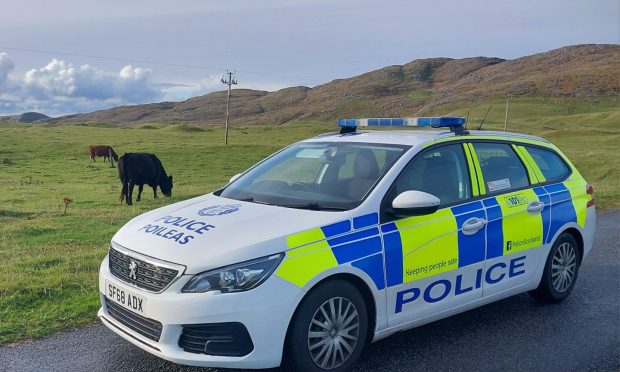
x=132 y=269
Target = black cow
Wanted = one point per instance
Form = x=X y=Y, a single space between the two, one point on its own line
x=139 y=169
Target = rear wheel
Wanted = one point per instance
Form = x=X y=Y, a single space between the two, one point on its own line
x=561 y=270
x=329 y=329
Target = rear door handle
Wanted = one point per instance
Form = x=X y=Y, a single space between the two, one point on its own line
x=535 y=207
x=473 y=225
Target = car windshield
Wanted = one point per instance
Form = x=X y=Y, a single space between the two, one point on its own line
x=318 y=176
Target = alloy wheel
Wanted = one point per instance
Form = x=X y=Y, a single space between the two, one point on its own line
x=333 y=333
x=563 y=267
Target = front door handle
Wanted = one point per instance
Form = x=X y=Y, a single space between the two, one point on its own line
x=535 y=207
x=473 y=225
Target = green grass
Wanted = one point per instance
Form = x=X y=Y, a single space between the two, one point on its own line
x=49 y=260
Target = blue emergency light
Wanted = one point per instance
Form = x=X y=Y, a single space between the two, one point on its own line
x=455 y=123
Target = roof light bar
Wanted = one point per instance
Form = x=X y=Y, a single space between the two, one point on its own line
x=435 y=122
x=455 y=123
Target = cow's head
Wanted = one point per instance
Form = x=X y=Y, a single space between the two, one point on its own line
x=166 y=186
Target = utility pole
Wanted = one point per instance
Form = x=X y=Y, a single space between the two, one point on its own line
x=228 y=81
x=506 y=117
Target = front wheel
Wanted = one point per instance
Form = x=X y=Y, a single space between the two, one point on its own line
x=561 y=270
x=329 y=329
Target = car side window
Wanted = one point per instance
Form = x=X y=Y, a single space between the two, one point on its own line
x=501 y=168
x=440 y=171
x=549 y=163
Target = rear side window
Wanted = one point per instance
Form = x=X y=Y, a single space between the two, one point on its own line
x=501 y=168
x=550 y=163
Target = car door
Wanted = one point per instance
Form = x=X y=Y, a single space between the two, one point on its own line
x=433 y=261
x=514 y=210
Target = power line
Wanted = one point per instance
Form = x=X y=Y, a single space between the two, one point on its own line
x=151 y=62
x=230 y=81
x=111 y=58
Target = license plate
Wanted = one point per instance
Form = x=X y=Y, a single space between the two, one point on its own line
x=125 y=298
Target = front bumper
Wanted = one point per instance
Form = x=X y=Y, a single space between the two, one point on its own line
x=265 y=312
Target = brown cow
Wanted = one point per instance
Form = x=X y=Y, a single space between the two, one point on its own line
x=102 y=150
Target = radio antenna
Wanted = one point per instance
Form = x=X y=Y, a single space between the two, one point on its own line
x=484 y=118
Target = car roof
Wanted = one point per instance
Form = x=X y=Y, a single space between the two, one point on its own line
x=412 y=137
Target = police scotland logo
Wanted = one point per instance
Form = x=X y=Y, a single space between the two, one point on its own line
x=218 y=210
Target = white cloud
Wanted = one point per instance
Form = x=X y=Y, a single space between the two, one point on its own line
x=60 y=87
x=61 y=79
x=6 y=65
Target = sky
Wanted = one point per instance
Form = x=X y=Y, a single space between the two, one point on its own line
x=69 y=56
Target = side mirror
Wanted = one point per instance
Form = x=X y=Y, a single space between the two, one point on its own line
x=233 y=178
x=415 y=202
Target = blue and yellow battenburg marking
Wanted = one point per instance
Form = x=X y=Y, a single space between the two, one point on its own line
x=422 y=246
x=356 y=242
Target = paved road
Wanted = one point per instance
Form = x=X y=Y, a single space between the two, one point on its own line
x=516 y=334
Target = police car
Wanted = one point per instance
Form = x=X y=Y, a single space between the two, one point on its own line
x=344 y=239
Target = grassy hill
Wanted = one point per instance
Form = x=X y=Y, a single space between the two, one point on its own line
x=413 y=89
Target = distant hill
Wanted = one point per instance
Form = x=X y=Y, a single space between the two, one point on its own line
x=400 y=90
x=26 y=117
x=9 y=118
x=32 y=117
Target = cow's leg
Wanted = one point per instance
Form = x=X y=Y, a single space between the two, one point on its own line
x=155 y=192
x=140 y=187
x=130 y=192
x=124 y=192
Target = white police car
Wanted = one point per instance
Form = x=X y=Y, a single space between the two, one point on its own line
x=344 y=239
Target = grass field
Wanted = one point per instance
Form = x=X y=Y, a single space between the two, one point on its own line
x=49 y=259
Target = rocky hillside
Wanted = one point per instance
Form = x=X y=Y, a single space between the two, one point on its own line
x=410 y=89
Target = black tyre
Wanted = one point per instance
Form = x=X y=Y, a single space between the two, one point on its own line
x=561 y=269
x=329 y=329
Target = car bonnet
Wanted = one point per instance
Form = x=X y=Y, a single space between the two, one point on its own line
x=210 y=231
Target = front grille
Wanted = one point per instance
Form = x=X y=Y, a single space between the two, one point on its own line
x=148 y=328
x=147 y=275
x=222 y=339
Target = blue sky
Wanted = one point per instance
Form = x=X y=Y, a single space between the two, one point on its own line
x=48 y=48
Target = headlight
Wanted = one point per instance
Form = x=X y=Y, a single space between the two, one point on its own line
x=235 y=278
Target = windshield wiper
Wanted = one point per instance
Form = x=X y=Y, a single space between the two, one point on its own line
x=251 y=199
x=313 y=206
